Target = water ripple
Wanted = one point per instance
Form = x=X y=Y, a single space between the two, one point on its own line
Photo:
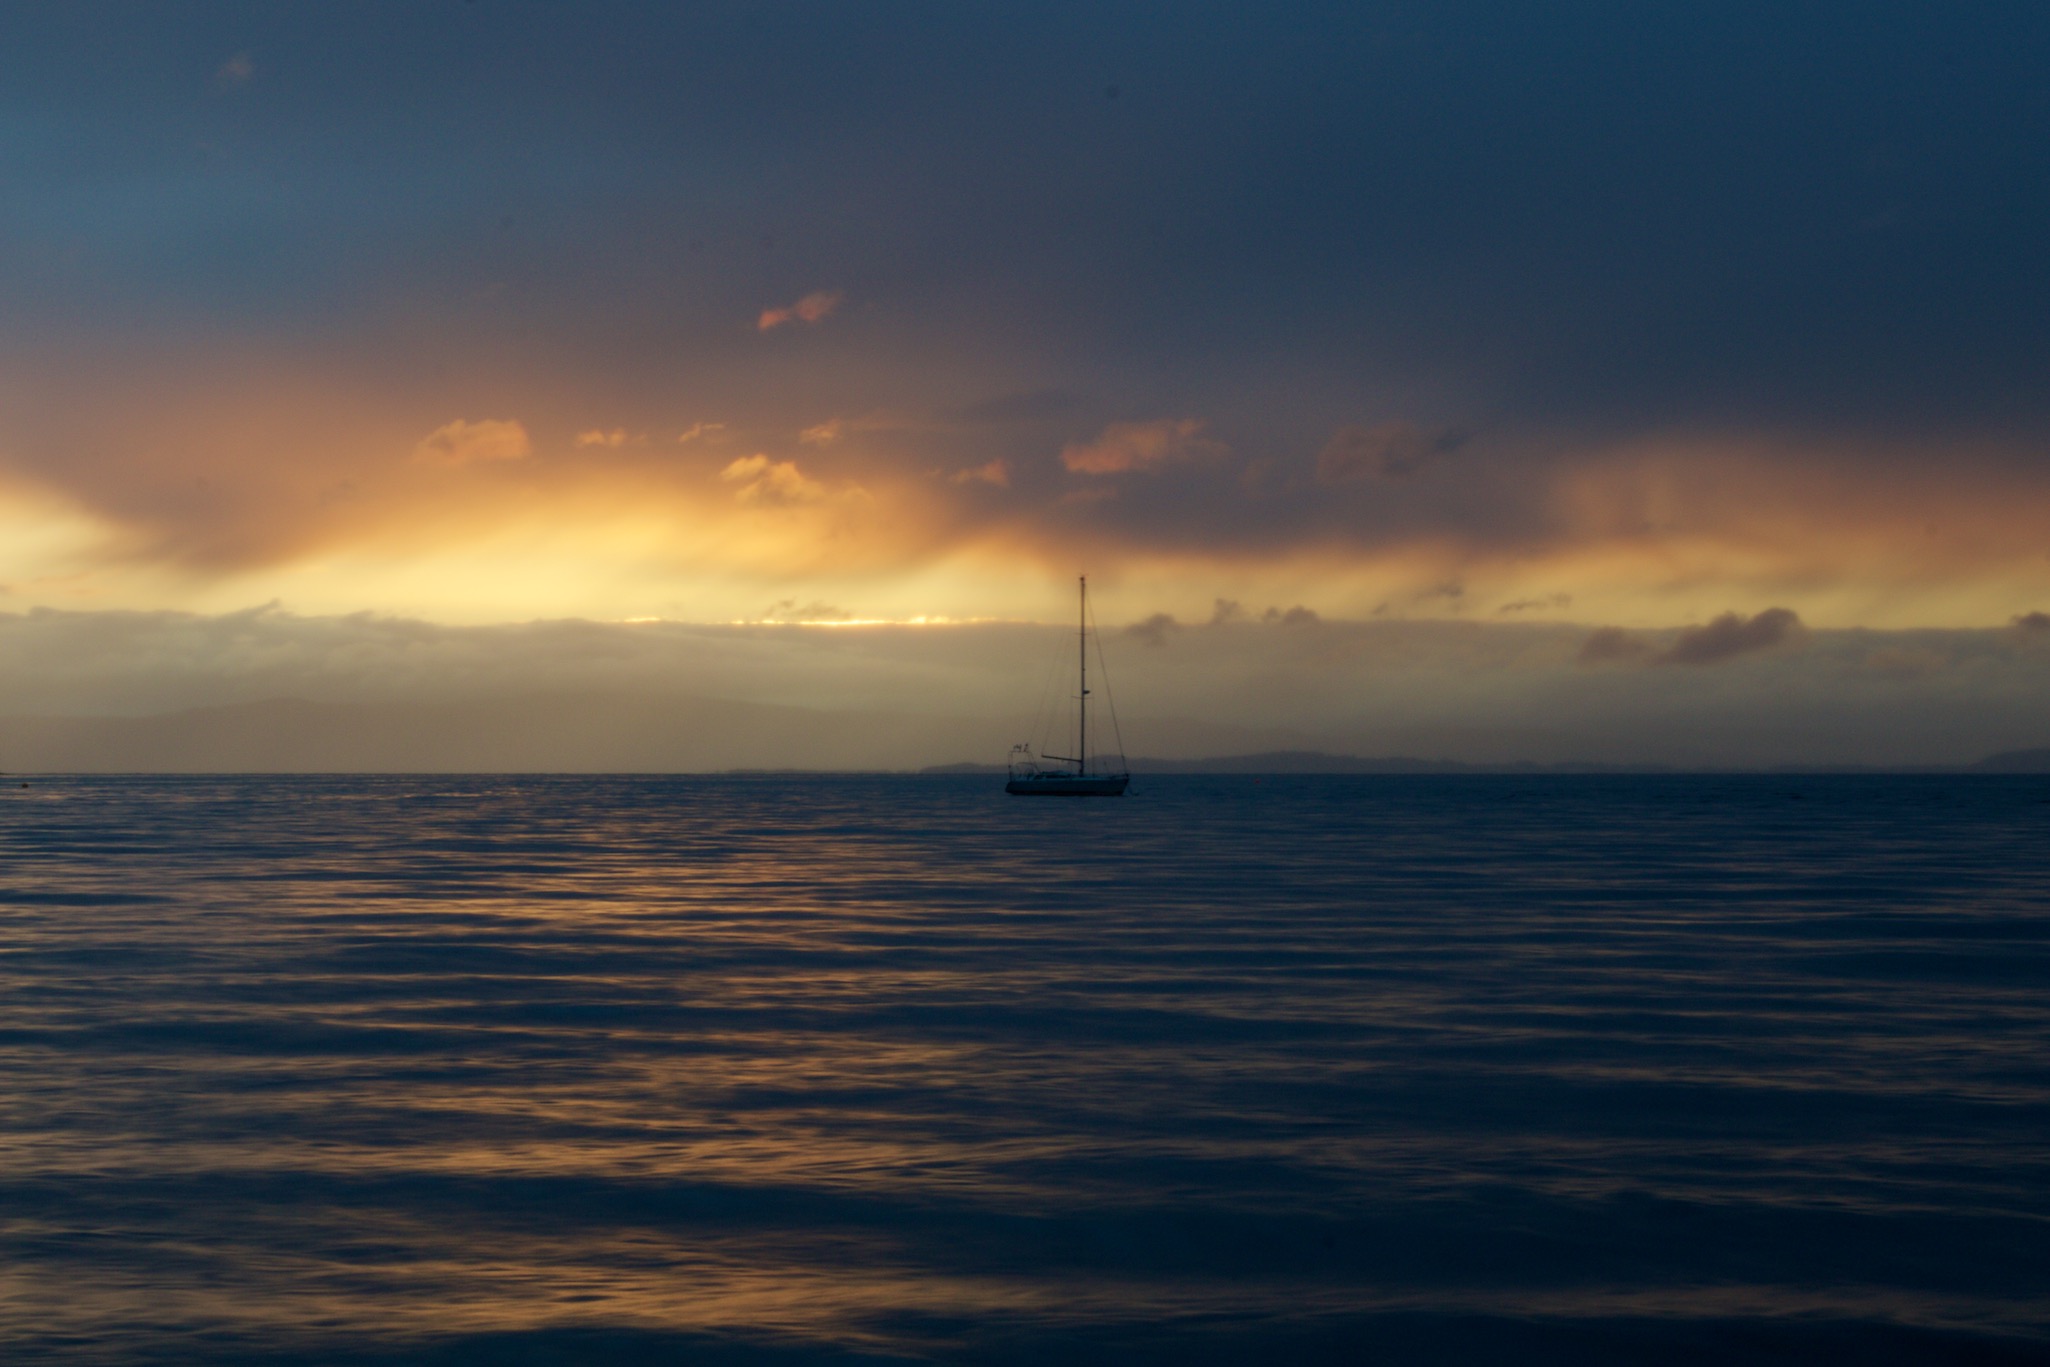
x=768 y=1069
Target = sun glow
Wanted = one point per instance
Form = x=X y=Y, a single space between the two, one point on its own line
x=508 y=515
x=918 y=621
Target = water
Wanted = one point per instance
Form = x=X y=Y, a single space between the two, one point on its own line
x=791 y=1070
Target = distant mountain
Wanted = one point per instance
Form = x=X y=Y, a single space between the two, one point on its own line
x=1298 y=762
x=1321 y=762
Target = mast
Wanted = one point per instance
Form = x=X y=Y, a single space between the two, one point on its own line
x=1082 y=653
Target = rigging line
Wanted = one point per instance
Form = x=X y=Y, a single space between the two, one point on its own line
x=1109 y=697
x=1042 y=715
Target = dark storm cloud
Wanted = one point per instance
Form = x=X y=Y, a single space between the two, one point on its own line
x=1570 y=208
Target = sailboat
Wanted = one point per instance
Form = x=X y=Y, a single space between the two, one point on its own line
x=1030 y=776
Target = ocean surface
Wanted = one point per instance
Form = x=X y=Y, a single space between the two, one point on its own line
x=820 y=1069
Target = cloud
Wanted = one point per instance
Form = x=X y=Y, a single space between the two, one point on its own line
x=236 y=70
x=1549 y=601
x=789 y=610
x=764 y=481
x=1524 y=329
x=179 y=468
x=700 y=431
x=1491 y=692
x=1610 y=645
x=833 y=429
x=996 y=472
x=1730 y=635
x=810 y=309
x=1394 y=450
x=1126 y=446
x=470 y=443
x=1153 y=630
x=615 y=438
x=1725 y=638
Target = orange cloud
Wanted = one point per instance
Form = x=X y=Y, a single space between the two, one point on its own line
x=824 y=432
x=1126 y=446
x=700 y=430
x=470 y=443
x=764 y=481
x=809 y=309
x=218 y=480
x=599 y=437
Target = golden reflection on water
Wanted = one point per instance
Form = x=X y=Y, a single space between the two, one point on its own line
x=829 y=1296
x=749 y=1057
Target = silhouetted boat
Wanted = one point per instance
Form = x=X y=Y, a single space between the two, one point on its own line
x=1029 y=775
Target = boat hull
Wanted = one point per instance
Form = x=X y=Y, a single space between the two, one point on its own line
x=1103 y=785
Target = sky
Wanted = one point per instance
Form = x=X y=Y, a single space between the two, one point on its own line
x=1616 y=328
